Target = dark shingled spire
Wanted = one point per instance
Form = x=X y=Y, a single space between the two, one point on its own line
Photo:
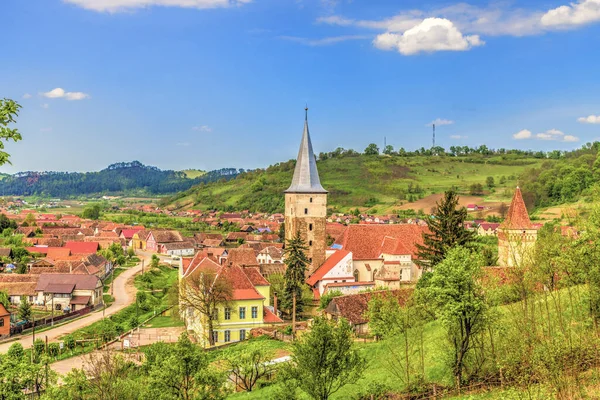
x=306 y=176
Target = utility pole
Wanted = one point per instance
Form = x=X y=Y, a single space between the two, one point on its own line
x=33 y=339
x=52 y=321
x=143 y=259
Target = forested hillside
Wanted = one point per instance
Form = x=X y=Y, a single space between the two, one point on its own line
x=131 y=178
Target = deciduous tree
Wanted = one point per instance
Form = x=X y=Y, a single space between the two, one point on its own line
x=325 y=359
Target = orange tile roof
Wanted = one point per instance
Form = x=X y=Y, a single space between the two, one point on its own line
x=331 y=262
x=242 y=256
x=517 y=217
x=270 y=318
x=82 y=247
x=365 y=241
x=253 y=273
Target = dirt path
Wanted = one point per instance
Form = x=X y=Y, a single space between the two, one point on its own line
x=146 y=336
x=124 y=293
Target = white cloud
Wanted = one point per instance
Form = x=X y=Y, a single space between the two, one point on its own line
x=550 y=134
x=45 y=105
x=432 y=34
x=590 y=119
x=59 y=93
x=324 y=41
x=202 y=128
x=183 y=144
x=575 y=14
x=470 y=21
x=522 y=134
x=440 y=122
x=570 y=138
x=113 y=6
x=458 y=137
x=26 y=96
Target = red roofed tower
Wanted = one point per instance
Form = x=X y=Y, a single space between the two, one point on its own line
x=516 y=235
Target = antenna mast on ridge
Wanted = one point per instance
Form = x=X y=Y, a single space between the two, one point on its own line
x=433 y=136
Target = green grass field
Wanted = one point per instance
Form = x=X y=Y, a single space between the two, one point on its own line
x=367 y=182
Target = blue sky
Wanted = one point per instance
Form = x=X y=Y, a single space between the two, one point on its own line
x=218 y=83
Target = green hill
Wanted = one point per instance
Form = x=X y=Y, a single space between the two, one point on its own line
x=379 y=183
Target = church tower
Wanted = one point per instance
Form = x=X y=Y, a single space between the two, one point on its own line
x=306 y=203
x=516 y=235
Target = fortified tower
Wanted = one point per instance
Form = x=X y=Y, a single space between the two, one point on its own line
x=516 y=235
x=306 y=203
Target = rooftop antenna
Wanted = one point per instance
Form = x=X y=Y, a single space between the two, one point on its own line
x=433 y=136
x=384 y=142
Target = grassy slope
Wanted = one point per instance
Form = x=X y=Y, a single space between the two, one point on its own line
x=435 y=342
x=353 y=181
x=193 y=173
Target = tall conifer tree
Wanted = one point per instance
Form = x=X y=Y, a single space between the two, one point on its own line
x=446 y=231
x=297 y=263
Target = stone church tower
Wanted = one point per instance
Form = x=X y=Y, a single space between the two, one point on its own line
x=306 y=203
x=516 y=235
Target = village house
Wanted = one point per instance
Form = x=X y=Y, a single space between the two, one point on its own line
x=270 y=255
x=19 y=286
x=354 y=307
x=488 y=229
x=247 y=308
x=184 y=248
x=68 y=291
x=138 y=241
x=384 y=254
x=337 y=268
x=4 y=322
x=160 y=237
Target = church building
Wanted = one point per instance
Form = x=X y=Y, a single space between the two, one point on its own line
x=516 y=235
x=306 y=203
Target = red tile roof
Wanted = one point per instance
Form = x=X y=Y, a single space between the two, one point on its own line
x=242 y=256
x=270 y=318
x=365 y=241
x=253 y=273
x=82 y=247
x=354 y=306
x=517 y=217
x=327 y=266
x=242 y=287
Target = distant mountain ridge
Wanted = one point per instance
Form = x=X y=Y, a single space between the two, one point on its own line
x=124 y=177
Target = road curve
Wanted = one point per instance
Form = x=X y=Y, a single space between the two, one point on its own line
x=124 y=293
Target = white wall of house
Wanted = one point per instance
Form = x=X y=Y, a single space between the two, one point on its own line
x=341 y=272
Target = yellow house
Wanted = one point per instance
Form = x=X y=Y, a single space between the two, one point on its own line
x=138 y=241
x=245 y=308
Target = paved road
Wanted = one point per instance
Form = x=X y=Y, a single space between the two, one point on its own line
x=124 y=293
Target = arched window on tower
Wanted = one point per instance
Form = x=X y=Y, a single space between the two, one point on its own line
x=356 y=275
x=306 y=211
x=310 y=226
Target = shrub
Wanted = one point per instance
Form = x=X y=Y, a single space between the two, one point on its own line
x=39 y=346
x=16 y=351
x=53 y=349
x=69 y=341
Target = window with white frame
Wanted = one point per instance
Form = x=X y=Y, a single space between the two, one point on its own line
x=254 y=312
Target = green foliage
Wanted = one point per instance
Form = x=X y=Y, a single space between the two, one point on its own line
x=371 y=150
x=489 y=181
x=53 y=349
x=297 y=263
x=154 y=261
x=335 y=364
x=454 y=294
x=39 y=347
x=132 y=177
x=69 y=341
x=327 y=297
x=476 y=189
x=16 y=351
x=4 y=299
x=6 y=223
x=446 y=230
x=182 y=372
x=91 y=212
x=248 y=366
x=9 y=111
x=24 y=309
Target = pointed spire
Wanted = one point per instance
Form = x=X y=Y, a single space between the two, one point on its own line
x=306 y=176
x=517 y=217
